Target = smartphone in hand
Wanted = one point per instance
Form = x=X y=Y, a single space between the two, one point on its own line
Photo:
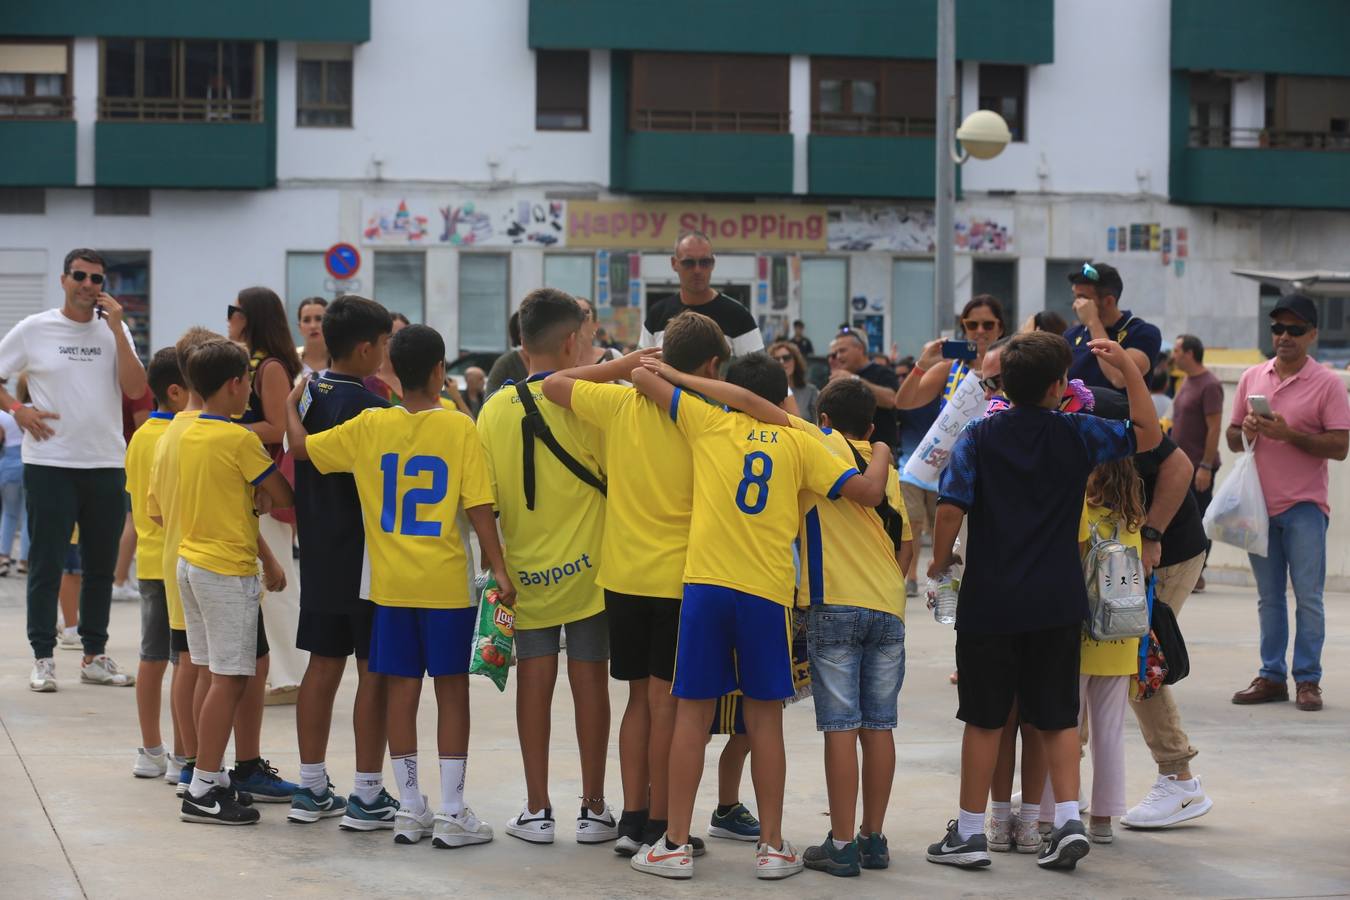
x=1260 y=406
x=958 y=350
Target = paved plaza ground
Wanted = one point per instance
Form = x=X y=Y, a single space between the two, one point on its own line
x=80 y=826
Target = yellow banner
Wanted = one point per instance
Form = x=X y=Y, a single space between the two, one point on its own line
x=655 y=226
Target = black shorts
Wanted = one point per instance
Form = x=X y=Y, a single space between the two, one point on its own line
x=1037 y=669
x=643 y=632
x=336 y=634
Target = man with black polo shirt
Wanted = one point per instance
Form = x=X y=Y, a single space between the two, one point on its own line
x=1096 y=301
x=335 y=619
x=693 y=262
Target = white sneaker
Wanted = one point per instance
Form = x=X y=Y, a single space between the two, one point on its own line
x=173 y=768
x=537 y=828
x=1168 y=803
x=596 y=828
x=410 y=827
x=781 y=863
x=460 y=831
x=103 y=670
x=43 y=677
x=126 y=592
x=1026 y=836
x=657 y=859
x=69 y=639
x=999 y=834
x=148 y=766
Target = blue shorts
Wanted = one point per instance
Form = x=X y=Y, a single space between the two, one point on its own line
x=729 y=715
x=857 y=667
x=729 y=640
x=416 y=642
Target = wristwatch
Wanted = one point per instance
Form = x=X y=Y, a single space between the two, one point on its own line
x=1149 y=533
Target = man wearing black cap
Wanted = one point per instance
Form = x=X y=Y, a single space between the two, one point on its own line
x=1096 y=301
x=1308 y=423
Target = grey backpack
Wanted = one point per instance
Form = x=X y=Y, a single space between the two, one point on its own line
x=1117 y=592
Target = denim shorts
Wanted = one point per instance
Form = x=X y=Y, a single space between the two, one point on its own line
x=857 y=666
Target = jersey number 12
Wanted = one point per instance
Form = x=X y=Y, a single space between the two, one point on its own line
x=414 y=497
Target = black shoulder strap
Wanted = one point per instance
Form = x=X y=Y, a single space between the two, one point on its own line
x=533 y=426
x=891 y=520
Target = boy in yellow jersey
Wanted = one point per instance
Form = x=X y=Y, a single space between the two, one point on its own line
x=739 y=581
x=166 y=383
x=552 y=514
x=219 y=466
x=642 y=553
x=415 y=467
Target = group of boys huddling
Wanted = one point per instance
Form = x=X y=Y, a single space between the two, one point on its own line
x=708 y=515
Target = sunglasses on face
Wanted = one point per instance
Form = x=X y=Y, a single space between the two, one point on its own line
x=231 y=309
x=992 y=385
x=985 y=325
x=1090 y=273
x=701 y=262
x=1279 y=328
x=784 y=358
x=79 y=277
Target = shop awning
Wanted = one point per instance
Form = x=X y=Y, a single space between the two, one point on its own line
x=1314 y=282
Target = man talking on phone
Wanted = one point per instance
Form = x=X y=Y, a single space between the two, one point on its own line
x=1296 y=414
x=80 y=361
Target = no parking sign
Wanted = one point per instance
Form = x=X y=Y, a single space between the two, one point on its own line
x=342 y=261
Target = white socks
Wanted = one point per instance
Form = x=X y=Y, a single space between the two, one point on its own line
x=314 y=777
x=203 y=781
x=452 y=784
x=969 y=824
x=367 y=786
x=409 y=792
x=838 y=844
x=1001 y=811
x=1066 y=812
x=154 y=751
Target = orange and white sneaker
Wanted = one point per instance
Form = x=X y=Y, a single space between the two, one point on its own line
x=780 y=863
x=659 y=859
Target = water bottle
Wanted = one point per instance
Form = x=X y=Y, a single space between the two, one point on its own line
x=943 y=591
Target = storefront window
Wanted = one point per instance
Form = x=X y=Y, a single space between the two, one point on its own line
x=305 y=277
x=912 y=305
x=484 y=294
x=129 y=281
x=570 y=273
x=824 y=299
x=400 y=282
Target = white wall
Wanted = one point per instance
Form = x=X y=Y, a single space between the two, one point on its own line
x=440 y=91
x=1098 y=114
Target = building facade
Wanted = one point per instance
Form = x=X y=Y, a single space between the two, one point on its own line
x=472 y=152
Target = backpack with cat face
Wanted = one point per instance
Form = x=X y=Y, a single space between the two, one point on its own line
x=1117 y=592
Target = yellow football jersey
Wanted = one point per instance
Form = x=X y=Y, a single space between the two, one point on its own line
x=554 y=550
x=847 y=556
x=413 y=472
x=1108 y=657
x=746 y=478
x=162 y=501
x=219 y=464
x=140 y=459
x=651 y=491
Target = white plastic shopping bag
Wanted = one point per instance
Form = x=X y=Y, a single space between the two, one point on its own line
x=1237 y=514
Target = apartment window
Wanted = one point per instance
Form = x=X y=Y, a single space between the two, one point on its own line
x=22 y=201
x=562 y=87
x=401 y=282
x=872 y=96
x=323 y=86
x=1004 y=90
x=1211 y=114
x=34 y=82
x=121 y=201
x=167 y=80
x=709 y=92
x=484 y=283
x=1307 y=113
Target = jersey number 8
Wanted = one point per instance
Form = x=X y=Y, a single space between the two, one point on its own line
x=414 y=497
x=760 y=482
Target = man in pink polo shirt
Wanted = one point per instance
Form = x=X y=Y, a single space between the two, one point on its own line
x=1310 y=425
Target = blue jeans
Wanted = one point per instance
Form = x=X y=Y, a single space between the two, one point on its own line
x=1297 y=552
x=13 y=517
x=857 y=666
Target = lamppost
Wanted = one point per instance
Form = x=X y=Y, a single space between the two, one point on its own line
x=983 y=135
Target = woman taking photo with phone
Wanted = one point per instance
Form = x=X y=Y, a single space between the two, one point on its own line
x=935 y=376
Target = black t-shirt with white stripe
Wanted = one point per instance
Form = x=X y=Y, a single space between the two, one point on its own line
x=734 y=319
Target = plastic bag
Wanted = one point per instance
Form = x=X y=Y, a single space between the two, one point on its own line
x=1237 y=514
x=494 y=639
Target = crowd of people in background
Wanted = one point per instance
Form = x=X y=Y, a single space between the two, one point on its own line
x=697 y=518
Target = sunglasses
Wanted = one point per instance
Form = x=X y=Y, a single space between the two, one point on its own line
x=701 y=262
x=783 y=358
x=992 y=385
x=79 y=277
x=985 y=325
x=1090 y=272
x=231 y=309
x=1279 y=328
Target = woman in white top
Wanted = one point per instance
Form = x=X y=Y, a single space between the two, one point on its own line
x=12 y=513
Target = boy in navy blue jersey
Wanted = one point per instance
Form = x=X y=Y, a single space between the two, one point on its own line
x=335 y=617
x=1020 y=476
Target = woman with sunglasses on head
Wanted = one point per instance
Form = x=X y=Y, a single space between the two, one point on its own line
x=789 y=356
x=934 y=376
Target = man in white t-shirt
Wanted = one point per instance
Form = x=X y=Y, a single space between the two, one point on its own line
x=79 y=360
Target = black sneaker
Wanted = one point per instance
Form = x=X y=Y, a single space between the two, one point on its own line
x=632 y=825
x=972 y=853
x=218 y=807
x=1065 y=846
x=657 y=827
x=825 y=857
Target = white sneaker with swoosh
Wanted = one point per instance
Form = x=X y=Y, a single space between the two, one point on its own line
x=659 y=859
x=1169 y=803
x=773 y=863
